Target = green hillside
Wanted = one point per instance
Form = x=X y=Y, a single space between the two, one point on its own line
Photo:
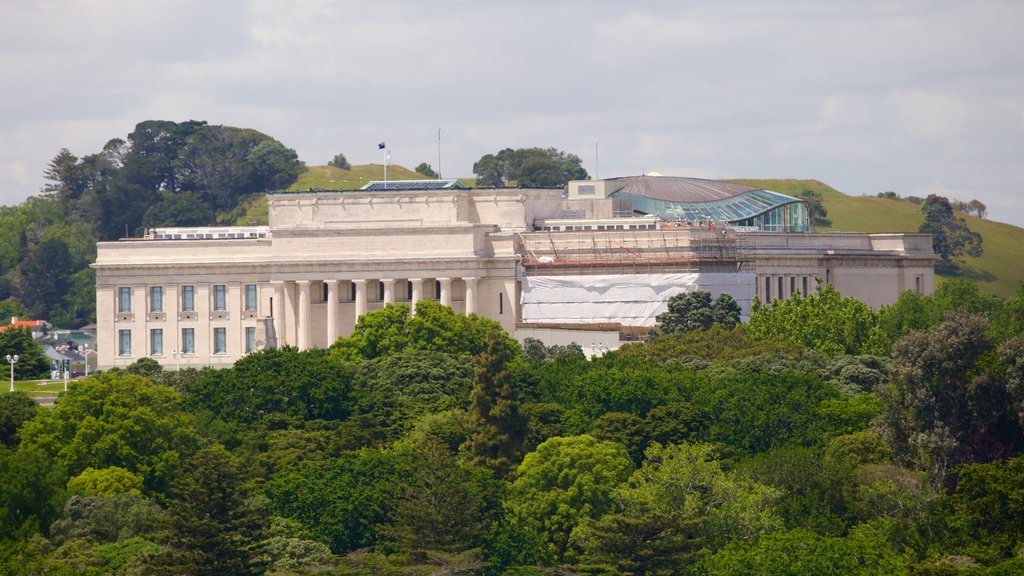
x=331 y=178
x=1000 y=269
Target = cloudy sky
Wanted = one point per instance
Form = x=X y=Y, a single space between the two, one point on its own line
x=916 y=97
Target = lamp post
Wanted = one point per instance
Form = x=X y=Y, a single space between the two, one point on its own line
x=86 y=355
x=13 y=360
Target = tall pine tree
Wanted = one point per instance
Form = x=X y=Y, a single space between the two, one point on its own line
x=496 y=428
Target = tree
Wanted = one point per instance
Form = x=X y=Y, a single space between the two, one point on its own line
x=564 y=482
x=496 y=429
x=979 y=209
x=826 y=322
x=816 y=210
x=529 y=167
x=46 y=277
x=339 y=161
x=32 y=363
x=427 y=170
x=15 y=410
x=677 y=504
x=181 y=209
x=951 y=238
x=216 y=520
x=694 y=310
x=944 y=404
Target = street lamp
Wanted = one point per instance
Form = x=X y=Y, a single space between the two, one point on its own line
x=86 y=356
x=13 y=360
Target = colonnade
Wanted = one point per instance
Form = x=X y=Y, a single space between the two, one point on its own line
x=296 y=294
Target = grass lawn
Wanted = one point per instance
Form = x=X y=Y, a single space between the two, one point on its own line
x=39 y=387
x=331 y=178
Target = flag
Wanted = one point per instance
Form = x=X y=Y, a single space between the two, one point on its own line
x=380 y=146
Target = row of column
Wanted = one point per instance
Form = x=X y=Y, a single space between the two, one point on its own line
x=305 y=304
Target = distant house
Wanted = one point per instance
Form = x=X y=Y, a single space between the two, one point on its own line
x=37 y=327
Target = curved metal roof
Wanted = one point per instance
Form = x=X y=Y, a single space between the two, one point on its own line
x=697 y=199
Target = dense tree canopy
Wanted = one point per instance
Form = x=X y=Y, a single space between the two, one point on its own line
x=951 y=238
x=528 y=168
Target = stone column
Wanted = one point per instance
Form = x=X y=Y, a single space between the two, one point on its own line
x=389 y=290
x=470 y=296
x=360 y=297
x=332 y=311
x=446 y=291
x=278 y=313
x=304 y=313
x=417 y=293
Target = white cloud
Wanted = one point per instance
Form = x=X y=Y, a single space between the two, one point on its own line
x=909 y=96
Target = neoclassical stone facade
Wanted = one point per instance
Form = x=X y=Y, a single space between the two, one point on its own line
x=208 y=296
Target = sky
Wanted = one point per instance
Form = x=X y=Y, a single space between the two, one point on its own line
x=915 y=97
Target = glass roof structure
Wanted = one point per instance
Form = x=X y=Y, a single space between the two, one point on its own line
x=697 y=200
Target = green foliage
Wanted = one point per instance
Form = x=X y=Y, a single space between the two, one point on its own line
x=943 y=405
x=564 y=482
x=688 y=311
x=342 y=501
x=864 y=552
x=306 y=385
x=400 y=388
x=32 y=363
x=529 y=167
x=101 y=519
x=15 y=410
x=339 y=161
x=105 y=482
x=115 y=420
x=216 y=522
x=815 y=207
x=755 y=411
x=427 y=170
x=989 y=503
x=951 y=238
x=434 y=327
x=496 y=429
x=826 y=322
x=716 y=345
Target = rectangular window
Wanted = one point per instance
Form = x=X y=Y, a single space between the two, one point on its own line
x=352 y=291
x=792 y=285
x=919 y=284
x=501 y=304
x=804 y=279
x=188 y=298
x=156 y=298
x=124 y=347
x=156 y=342
x=250 y=339
x=124 y=299
x=380 y=291
x=780 y=288
x=250 y=296
x=220 y=340
x=767 y=289
x=326 y=292
x=220 y=297
x=188 y=341
x=437 y=289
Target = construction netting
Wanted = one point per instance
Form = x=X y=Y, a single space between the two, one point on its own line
x=626 y=299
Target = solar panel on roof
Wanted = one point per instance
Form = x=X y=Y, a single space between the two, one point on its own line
x=403 y=185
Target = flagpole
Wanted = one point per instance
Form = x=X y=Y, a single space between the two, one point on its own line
x=439 y=153
x=387 y=159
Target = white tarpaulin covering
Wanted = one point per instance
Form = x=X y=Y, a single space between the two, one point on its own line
x=627 y=299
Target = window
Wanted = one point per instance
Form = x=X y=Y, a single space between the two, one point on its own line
x=156 y=299
x=124 y=347
x=501 y=304
x=124 y=299
x=250 y=296
x=188 y=298
x=380 y=291
x=250 y=339
x=220 y=340
x=804 y=279
x=408 y=290
x=156 y=342
x=220 y=297
x=437 y=289
x=780 y=288
x=792 y=285
x=326 y=292
x=188 y=341
x=767 y=289
x=352 y=289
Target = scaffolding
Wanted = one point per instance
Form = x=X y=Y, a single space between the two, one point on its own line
x=638 y=250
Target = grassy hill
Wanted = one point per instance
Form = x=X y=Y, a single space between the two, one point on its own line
x=1000 y=269
x=331 y=178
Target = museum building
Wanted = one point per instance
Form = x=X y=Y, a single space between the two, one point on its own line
x=593 y=262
